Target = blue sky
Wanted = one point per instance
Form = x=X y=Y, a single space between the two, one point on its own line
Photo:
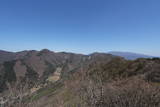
x=81 y=26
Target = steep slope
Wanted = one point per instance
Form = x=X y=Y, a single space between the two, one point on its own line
x=6 y=56
x=116 y=82
x=71 y=80
x=36 y=67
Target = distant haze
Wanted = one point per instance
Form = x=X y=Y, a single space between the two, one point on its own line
x=130 y=55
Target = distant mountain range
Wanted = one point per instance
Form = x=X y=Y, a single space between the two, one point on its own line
x=34 y=65
x=28 y=77
x=130 y=55
x=7 y=56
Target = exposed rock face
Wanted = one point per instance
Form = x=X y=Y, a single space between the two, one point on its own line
x=56 y=75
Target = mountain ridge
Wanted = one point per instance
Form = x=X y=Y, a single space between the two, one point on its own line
x=29 y=76
x=41 y=64
x=124 y=54
x=130 y=55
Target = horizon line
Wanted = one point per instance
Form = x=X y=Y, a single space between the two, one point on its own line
x=83 y=53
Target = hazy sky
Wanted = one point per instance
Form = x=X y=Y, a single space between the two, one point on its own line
x=81 y=26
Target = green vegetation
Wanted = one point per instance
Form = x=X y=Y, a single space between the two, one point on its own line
x=49 y=71
x=10 y=75
x=98 y=82
x=46 y=91
x=31 y=76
